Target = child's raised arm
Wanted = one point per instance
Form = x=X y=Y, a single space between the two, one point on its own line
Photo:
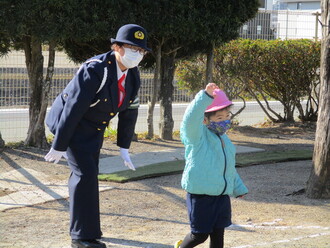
x=192 y=123
x=210 y=88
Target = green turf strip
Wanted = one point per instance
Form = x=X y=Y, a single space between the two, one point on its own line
x=272 y=157
x=174 y=167
x=153 y=170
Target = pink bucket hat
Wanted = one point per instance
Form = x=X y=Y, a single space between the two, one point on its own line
x=220 y=101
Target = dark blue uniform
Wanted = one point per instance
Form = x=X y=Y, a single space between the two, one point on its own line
x=78 y=118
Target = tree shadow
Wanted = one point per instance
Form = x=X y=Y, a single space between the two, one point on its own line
x=145 y=218
x=278 y=147
x=134 y=243
x=278 y=183
x=30 y=153
x=285 y=131
x=162 y=143
x=31 y=179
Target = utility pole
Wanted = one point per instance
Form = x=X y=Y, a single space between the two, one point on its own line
x=317 y=14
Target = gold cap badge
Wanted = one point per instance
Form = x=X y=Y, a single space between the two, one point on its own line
x=139 y=35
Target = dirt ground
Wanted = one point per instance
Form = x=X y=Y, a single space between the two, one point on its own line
x=151 y=212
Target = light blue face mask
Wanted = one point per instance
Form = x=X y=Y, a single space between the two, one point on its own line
x=219 y=127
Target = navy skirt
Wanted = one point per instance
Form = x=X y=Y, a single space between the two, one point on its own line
x=207 y=212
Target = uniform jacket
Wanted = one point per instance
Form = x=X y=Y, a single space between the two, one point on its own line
x=210 y=159
x=80 y=114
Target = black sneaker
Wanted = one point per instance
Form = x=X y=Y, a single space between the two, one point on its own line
x=87 y=243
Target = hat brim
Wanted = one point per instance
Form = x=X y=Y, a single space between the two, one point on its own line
x=216 y=108
x=130 y=43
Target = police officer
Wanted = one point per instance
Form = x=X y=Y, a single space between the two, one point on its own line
x=104 y=85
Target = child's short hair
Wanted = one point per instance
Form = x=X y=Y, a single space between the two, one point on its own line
x=209 y=114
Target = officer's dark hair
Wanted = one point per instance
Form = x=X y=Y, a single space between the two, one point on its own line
x=120 y=44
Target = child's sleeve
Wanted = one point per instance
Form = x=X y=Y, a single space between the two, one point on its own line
x=192 y=123
x=239 y=188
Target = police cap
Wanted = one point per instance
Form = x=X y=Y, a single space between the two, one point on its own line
x=132 y=34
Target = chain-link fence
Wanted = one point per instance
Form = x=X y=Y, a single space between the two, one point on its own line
x=14 y=83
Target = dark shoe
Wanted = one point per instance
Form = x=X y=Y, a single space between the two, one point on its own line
x=87 y=243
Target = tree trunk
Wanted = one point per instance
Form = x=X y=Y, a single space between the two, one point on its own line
x=154 y=94
x=2 y=142
x=251 y=91
x=166 y=93
x=288 y=112
x=210 y=64
x=318 y=185
x=39 y=90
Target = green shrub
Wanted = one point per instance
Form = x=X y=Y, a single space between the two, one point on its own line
x=110 y=133
x=284 y=70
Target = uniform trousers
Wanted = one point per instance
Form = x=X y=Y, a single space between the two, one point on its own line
x=84 y=194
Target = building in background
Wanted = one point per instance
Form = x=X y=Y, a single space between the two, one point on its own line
x=266 y=4
x=284 y=19
x=260 y=27
x=297 y=19
x=297 y=5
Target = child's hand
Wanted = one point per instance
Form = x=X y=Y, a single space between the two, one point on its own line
x=210 y=88
x=240 y=196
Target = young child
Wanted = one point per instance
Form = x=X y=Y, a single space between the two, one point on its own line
x=209 y=176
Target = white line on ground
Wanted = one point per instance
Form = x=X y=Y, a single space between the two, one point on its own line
x=234 y=227
x=284 y=241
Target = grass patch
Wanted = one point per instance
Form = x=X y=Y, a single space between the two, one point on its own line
x=177 y=166
x=272 y=157
x=153 y=170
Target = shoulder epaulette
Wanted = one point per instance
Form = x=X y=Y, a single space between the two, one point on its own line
x=105 y=74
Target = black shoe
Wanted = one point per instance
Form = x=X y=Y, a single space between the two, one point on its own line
x=87 y=243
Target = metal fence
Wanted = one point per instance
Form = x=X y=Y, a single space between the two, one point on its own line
x=283 y=24
x=14 y=88
x=14 y=94
x=14 y=82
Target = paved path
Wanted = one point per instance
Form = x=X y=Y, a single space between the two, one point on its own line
x=30 y=187
x=113 y=164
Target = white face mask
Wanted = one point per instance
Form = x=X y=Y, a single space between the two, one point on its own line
x=131 y=59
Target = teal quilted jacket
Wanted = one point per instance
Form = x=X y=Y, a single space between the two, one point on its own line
x=210 y=159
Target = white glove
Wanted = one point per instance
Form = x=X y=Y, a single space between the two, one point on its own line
x=55 y=156
x=127 y=160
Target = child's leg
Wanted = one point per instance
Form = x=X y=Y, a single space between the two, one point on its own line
x=217 y=238
x=193 y=239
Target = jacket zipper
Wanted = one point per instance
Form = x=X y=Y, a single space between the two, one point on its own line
x=224 y=171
